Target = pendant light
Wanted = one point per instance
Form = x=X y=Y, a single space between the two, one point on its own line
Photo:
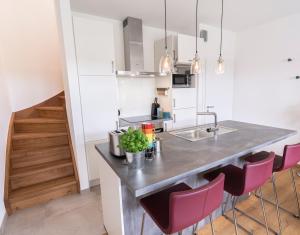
x=220 y=63
x=166 y=61
x=196 y=65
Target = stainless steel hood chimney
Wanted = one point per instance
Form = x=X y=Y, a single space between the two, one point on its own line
x=133 y=49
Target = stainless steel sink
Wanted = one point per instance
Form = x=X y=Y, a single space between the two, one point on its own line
x=200 y=132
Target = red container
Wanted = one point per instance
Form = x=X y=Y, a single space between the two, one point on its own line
x=147 y=126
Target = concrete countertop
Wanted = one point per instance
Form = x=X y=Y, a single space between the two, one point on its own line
x=180 y=158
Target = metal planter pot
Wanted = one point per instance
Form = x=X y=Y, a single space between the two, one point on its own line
x=136 y=160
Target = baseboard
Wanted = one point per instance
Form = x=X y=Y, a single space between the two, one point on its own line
x=3 y=224
x=94 y=182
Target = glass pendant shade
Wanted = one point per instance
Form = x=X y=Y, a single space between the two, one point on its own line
x=220 y=66
x=166 y=64
x=196 y=65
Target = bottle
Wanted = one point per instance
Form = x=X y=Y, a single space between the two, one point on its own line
x=154 y=108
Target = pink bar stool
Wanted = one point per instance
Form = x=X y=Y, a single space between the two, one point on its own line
x=240 y=182
x=290 y=158
x=180 y=206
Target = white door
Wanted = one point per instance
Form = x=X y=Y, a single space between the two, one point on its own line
x=94 y=43
x=99 y=106
x=184 y=118
x=184 y=98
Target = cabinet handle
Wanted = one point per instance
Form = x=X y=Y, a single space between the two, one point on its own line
x=174 y=56
x=174 y=117
x=174 y=103
x=112 y=66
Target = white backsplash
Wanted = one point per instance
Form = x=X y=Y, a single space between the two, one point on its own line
x=136 y=96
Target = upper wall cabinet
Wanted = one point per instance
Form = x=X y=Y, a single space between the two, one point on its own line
x=181 y=47
x=159 y=50
x=186 y=48
x=94 y=41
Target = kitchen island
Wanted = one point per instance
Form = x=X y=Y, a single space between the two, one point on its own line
x=179 y=161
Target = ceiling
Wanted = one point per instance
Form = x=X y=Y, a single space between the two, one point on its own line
x=239 y=14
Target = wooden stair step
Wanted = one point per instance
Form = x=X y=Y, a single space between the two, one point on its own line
x=39 y=140
x=31 y=175
x=57 y=112
x=42 y=192
x=33 y=125
x=31 y=170
x=40 y=161
x=38 y=120
x=24 y=158
x=51 y=108
x=20 y=136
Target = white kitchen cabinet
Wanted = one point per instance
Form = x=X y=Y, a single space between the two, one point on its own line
x=168 y=125
x=184 y=98
x=99 y=106
x=183 y=118
x=93 y=159
x=182 y=48
x=159 y=50
x=94 y=41
x=186 y=48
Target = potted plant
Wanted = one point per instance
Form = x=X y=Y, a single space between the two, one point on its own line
x=134 y=143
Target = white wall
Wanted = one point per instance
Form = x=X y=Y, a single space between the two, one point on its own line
x=29 y=42
x=5 y=114
x=218 y=89
x=72 y=91
x=266 y=91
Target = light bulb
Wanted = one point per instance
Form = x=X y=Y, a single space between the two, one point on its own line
x=220 y=66
x=166 y=64
x=196 y=65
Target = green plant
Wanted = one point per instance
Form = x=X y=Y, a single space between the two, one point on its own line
x=134 y=141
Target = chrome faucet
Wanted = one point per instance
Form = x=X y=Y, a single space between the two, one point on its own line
x=208 y=113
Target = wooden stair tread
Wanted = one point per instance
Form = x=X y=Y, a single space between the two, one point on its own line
x=20 y=136
x=20 y=153
x=31 y=170
x=40 y=162
x=39 y=120
x=51 y=108
x=41 y=188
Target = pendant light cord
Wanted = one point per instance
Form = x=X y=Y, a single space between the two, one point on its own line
x=197 y=26
x=221 y=41
x=166 y=46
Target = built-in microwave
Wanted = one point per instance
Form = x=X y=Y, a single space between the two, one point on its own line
x=182 y=80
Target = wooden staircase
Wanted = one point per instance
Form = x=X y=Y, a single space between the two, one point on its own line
x=40 y=164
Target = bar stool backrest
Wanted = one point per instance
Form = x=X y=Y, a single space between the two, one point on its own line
x=291 y=156
x=190 y=207
x=257 y=173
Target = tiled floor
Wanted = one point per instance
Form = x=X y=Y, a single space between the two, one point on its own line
x=71 y=215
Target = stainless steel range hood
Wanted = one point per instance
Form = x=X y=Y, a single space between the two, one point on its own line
x=133 y=50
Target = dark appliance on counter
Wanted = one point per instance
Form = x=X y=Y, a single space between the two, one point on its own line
x=182 y=80
x=154 y=107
